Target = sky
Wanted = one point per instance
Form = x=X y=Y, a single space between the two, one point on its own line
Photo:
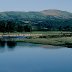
x=35 y=5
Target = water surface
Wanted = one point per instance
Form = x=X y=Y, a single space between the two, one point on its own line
x=26 y=57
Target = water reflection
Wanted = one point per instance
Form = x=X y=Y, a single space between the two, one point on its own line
x=26 y=57
x=2 y=43
x=7 y=45
x=11 y=44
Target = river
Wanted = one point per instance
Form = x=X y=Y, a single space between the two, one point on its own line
x=27 y=57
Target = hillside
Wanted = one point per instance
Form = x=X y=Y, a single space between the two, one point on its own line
x=57 y=13
x=35 y=15
x=35 y=21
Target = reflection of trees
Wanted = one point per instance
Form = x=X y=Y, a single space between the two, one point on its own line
x=2 y=43
x=9 y=41
x=11 y=44
x=2 y=46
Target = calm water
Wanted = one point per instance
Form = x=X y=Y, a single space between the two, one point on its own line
x=26 y=57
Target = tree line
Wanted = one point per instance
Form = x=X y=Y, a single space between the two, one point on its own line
x=35 y=25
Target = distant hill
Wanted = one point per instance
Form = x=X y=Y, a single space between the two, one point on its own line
x=42 y=20
x=21 y=15
x=35 y=15
x=57 y=13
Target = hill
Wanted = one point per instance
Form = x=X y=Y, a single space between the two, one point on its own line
x=57 y=13
x=43 y=20
x=35 y=15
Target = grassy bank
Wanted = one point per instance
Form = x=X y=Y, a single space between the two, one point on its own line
x=63 y=41
x=57 y=38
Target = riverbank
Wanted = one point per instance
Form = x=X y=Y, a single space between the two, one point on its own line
x=63 y=41
x=56 y=38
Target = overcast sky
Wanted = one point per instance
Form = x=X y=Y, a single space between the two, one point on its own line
x=35 y=5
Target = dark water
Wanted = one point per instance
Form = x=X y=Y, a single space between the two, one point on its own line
x=26 y=57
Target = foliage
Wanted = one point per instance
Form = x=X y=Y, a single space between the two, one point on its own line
x=34 y=21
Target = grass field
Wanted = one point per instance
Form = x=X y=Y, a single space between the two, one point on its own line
x=39 y=32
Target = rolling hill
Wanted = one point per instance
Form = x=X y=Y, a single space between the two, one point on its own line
x=42 y=20
x=57 y=13
x=36 y=15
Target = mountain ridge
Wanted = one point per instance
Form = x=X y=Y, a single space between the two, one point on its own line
x=51 y=13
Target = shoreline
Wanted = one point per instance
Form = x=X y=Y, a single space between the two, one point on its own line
x=46 y=38
x=43 y=41
x=51 y=41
